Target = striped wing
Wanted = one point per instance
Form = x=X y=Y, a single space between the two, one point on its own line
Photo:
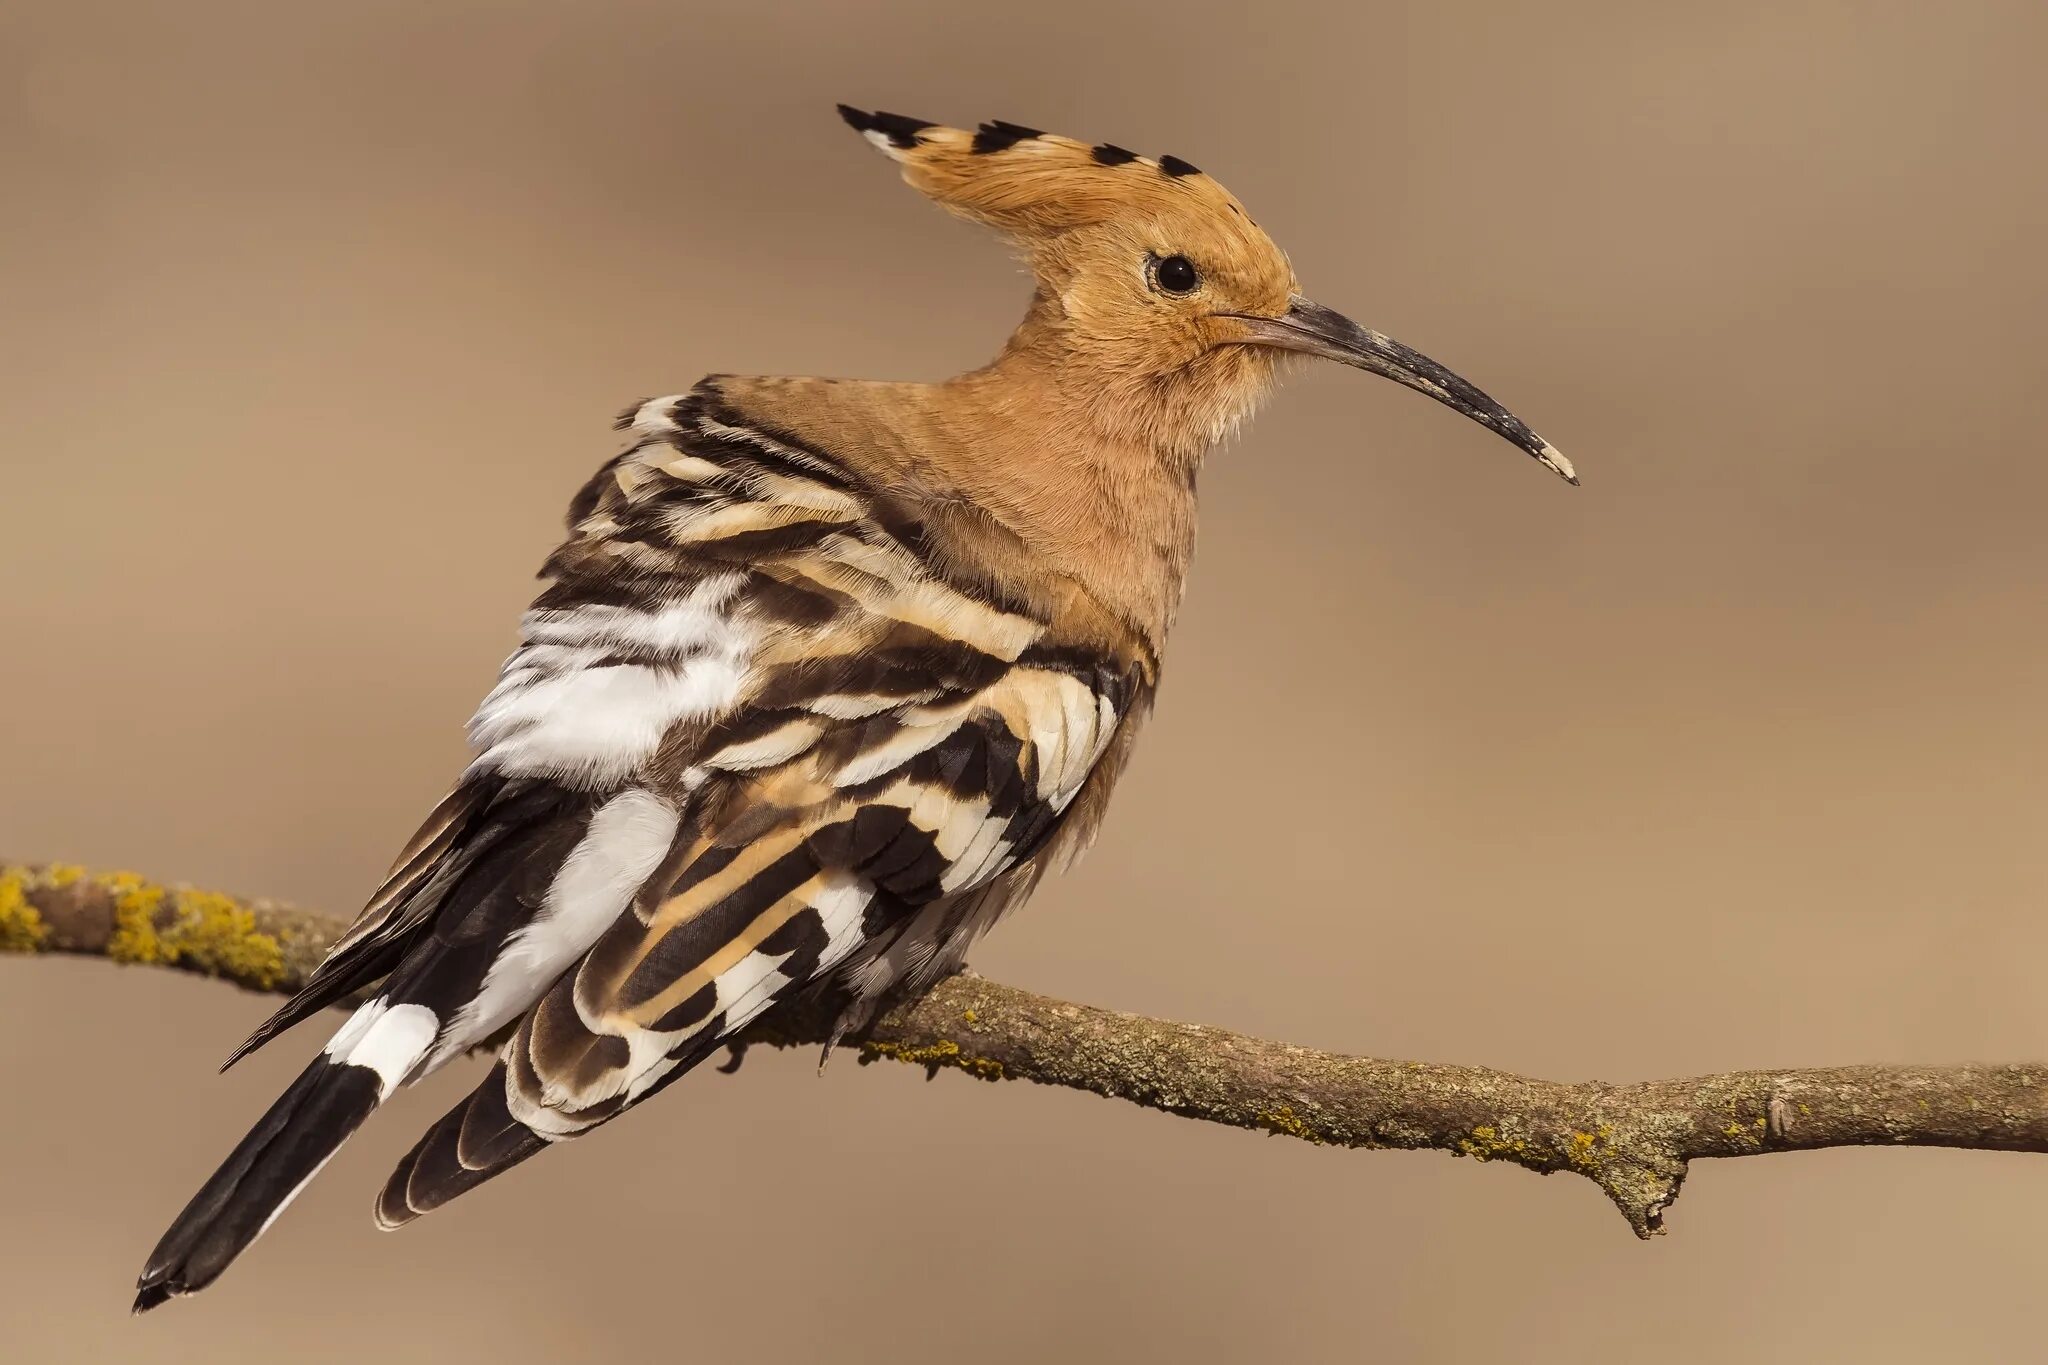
x=770 y=729
x=477 y=816
x=850 y=764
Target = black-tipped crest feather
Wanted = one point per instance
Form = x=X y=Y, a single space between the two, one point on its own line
x=997 y=135
x=901 y=131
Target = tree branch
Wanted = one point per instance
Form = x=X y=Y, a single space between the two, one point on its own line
x=1634 y=1141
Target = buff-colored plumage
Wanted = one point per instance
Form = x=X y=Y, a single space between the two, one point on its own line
x=826 y=676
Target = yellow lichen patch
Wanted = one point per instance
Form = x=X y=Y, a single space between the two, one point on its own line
x=200 y=929
x=60 y=875
x=1288 y=1123
x=21 y=926
x=135 y=904
x=1587 y=1151
x=1488 y=1143
x=1746 y=1133
x=970 y=1017
x=945 y=1052
x=217 y=935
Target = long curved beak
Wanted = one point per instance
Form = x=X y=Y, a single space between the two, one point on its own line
x=1316 y=330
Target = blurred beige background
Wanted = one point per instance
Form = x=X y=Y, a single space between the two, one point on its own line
x=315 y=316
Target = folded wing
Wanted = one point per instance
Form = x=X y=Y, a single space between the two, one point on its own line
x=768 y=730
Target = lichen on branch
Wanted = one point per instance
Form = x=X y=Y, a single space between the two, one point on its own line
x=1633 y=1141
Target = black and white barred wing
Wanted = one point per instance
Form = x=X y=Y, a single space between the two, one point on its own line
x=477 y=816
x=637 y=642
x=894 y=754
x=751 y=742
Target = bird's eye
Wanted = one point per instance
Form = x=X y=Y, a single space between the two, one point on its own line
x=1175 y=275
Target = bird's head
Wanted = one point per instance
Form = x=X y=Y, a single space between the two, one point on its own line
x=1157 y=293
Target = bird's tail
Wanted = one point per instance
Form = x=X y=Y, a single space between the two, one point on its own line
x=360 y=1067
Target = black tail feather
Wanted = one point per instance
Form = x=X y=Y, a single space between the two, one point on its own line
x=309 y=1121
x=468 y=1145
x=478 y=838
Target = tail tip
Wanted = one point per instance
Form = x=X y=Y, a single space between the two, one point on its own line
x=392 y=1209
x=154 y=1290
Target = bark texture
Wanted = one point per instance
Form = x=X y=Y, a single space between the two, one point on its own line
x=1632 y=1140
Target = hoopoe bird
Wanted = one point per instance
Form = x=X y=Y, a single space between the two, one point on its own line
x=825 y=677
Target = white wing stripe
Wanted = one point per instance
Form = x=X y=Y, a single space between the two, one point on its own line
x=563 y=710
x=626 y=841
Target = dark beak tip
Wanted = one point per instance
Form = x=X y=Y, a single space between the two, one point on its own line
x=1312 y=329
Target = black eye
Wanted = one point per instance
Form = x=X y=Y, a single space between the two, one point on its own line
x=1175 y=275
